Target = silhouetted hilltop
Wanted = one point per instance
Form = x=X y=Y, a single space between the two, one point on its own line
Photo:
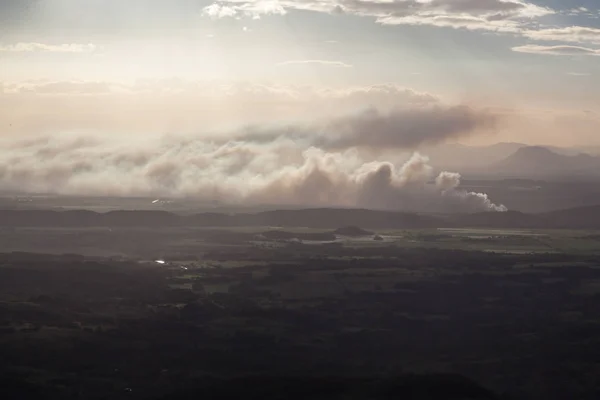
x=140 y=218
x=83 y=218
x=284 y=235
x=538 y=161
x=352 y=231
x=576 y=218
x=313 y=218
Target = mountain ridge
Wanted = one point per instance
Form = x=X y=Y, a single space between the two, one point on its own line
x=541 y=162
x=574 y=218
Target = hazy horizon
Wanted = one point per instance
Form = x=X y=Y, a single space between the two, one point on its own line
x=328 y=102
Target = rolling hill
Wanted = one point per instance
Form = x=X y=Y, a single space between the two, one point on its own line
x=575 y=218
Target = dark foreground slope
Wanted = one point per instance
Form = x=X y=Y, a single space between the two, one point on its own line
x=576 y=218
x=405 y=324
x=406 y=387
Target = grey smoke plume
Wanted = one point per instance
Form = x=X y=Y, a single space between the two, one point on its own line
x=398 y=128
x=405 y=128
x=278 y=172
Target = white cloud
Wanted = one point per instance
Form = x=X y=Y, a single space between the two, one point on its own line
x=316 y=62
x=252 y=9
x=573 y=34
x=263 y=7
x=557 y=50
x=495 y=15
x=41 y=47
x=518 y=17
x=581 y=11
x=454 y=21
x=217 y=11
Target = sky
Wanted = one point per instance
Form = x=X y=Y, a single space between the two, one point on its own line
x=528 y=57
x=372 y=76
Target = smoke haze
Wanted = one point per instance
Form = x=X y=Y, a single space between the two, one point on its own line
x=319 y=165
x=398 y=128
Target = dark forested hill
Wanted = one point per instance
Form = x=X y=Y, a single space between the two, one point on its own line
x=575 y=218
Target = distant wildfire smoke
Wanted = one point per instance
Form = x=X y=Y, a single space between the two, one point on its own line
x=290 y=166
x=399 y=128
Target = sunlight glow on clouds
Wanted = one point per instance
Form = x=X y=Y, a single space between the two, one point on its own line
x=177 y=105
x=461 y=49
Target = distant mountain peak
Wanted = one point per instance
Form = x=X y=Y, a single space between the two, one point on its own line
x=535 y=153
x=535 y=150
x=540 y=160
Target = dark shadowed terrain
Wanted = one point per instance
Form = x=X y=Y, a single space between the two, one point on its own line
x=323 y=218
x=299 y=304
